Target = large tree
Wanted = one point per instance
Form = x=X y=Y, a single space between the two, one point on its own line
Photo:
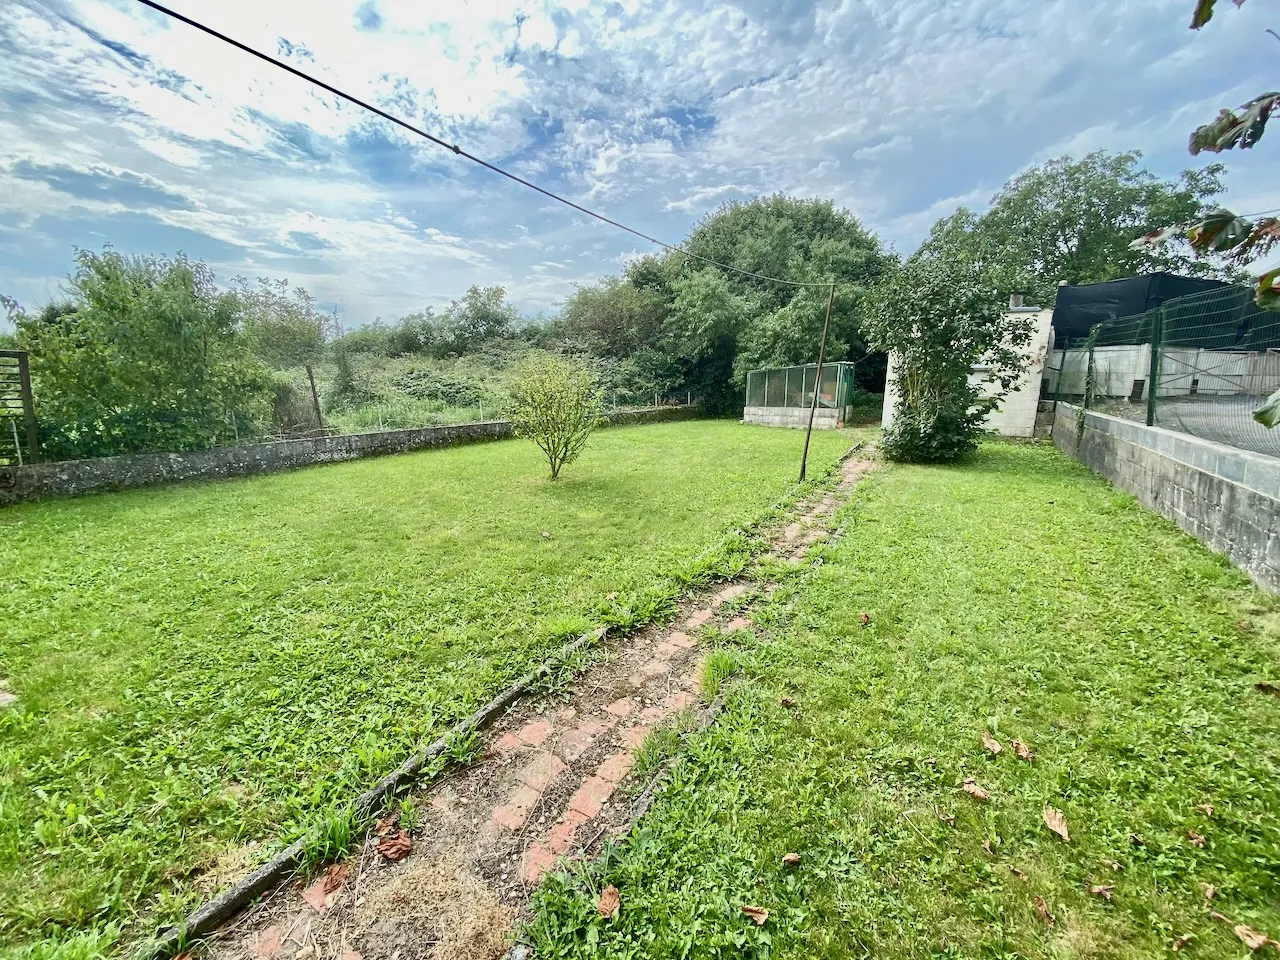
x=1076 y=220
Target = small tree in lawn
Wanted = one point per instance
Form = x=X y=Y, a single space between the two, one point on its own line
x=556 y=404
x=955 y=354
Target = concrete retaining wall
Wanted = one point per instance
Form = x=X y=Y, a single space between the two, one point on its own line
x=824 y=418
x=71 y=477
x=1225 y=497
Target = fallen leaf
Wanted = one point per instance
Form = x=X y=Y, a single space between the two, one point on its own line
x=1022 y=750
x=1264 y=687
x=791 y=859
x=990 y=742
x=317 y=895
x=1182 y=941
x=1042 y=908
x=1210 y=891
x=1017 y=873
x=1056 y=821
x=388 y=823
x=1197 y=839
x=1102 y=890
x=1136 y=840
x=1205 y=808
x=864 y=619
x=972 y=789
x=610 y=900
x=395 y=846
x=758 y=914
x=1215 y=915
x=1251 y=938
x=1115 y=865
x=788 y=701
x=986 y=845
x=948 y=818
x=1245 y=626
x=335 y=875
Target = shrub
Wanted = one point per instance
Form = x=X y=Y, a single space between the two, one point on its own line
x=555 y=402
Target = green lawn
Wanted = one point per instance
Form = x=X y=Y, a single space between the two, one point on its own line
x=1016 y=594
x=202 y=666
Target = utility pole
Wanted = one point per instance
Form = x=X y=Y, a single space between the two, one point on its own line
x=315 y=398
x=817 y=381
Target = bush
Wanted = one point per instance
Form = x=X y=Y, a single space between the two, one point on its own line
x=555 y=402
x=942 y=433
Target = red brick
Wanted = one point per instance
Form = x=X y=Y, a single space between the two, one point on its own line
x=739 y=623
x=513 y=814
x=591 y=797
x=566 y=713
x=616 y=767
x=655 y=668
x=534 y=732
x=537 y=861
x=681 y=639
x=698 y=618
x=634 y=736
x=620 y=708
x=574 y=743
x=666 y=650
x=651 y=715
x=540 y=771
x=681 y=700
x=507 y=743
x=560 y=839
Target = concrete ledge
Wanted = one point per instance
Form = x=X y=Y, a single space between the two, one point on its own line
x=1227 y=498
x=73 y=477
x=824 y=418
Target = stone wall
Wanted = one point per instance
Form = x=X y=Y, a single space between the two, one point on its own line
x=71 y=477
x=824 y=418
x=1225 y=497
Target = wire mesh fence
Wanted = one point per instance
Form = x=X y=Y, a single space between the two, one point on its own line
x=1199 y=364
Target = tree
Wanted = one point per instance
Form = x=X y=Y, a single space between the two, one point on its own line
x=145 y=355
x=1076 y=220
x=939 y=319
x=1241 y=240
x=614 y=318
x=556 y=404
x=283 y=326
x=481 y=314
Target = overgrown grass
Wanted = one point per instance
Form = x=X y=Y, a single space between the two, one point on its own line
x=202 y=666
x=1016 y=594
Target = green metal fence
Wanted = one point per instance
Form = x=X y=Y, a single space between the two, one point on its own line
x=1200 y=364
x=793 y=386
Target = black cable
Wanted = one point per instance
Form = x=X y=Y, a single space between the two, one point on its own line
x=458 y=150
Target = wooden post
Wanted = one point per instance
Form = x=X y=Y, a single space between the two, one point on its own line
x=315 y=398
x=817 y=382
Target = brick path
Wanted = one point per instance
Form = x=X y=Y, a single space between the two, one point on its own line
x=553 y=781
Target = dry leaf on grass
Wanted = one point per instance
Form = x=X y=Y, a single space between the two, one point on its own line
x=948 y=818
x=1017 y=873
x=1197 y=839
x=1136 y=840
x=610 y=900
x=1056 y=821
x=864 y=619
x=791 y=860
x=1215 y=915
x=317 y=895
x=1182 y=941
x=1042 y=908
x=972 y=789
x=990 y=742
x=1115 y=865
x=1022 y=750
x=1102 y=890
x=1210 y=891
x=986 y=845
x=1205 y=808
x=788 y=701
x=758 y=914
x=1251 y=938
x=388 y=823
x=395 y=846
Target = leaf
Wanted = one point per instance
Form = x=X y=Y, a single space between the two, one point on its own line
x=395 y=846
x=1102 y=890
x=864 y=618
x=986 y=845
x=1115 y=865
x=1136 y=840
x=948 y=818
x=1210 y=891
x=1017 y=873
x=758 y=914
x=1267 y=295
x=1182 y=941
x=388 y=823
x=1219 y=231
x=1022 y=750
x=1230 y=129
x=972 y=789
x=335 y=876
x=1197 y=839
x=788 y=701
x=1203 y=13
x=1249 y=937
x=991 y=743
x=610 y=901
x=1056 y=821
x=791 y=859
x=1042 y=908
x=1205 y=808
x=316 y=895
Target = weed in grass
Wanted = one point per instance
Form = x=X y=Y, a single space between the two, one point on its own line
x=463 y=747
x=719 y=667
x=333 y=837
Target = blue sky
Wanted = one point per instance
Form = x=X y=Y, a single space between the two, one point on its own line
x=119 y=126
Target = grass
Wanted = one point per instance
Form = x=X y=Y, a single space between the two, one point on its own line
x=201 y=667
x=1015 y=594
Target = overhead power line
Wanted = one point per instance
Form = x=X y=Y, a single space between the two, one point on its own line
x=460 y=152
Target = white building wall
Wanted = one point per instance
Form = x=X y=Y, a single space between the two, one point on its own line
x=1016 y=414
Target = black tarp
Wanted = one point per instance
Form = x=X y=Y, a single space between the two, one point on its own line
x=1079 y=308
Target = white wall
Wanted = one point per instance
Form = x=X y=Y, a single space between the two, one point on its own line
x=1016 y=414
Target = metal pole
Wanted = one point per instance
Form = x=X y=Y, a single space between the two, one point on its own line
x=315 y=397
x=28 y=407
x=17 y=444
x=817 y=382
x=1153 y=374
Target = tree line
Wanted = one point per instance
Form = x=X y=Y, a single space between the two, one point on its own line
x=149 y=353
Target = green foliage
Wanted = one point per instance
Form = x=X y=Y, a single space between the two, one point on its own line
x=203 y=666
x=282 y=327
x=1017 y=594
x=144 y=356
x=940 y=318
x=556 y=403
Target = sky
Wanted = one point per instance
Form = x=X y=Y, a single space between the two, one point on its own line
x=119 y=126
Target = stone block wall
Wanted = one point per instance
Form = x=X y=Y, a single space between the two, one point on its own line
x=71 y=477
x=824 y=418
x=1227 y=498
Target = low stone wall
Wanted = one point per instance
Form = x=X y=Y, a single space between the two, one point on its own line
x=1225 y=497
x=71 y=477
x=824 y=418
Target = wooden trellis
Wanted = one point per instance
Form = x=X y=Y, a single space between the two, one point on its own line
x=18 y=441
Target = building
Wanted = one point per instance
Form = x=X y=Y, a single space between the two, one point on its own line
x=782 y=397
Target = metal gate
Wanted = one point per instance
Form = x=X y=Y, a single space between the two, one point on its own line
x=18 y=442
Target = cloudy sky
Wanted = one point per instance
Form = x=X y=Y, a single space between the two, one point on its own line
x=119 y=126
